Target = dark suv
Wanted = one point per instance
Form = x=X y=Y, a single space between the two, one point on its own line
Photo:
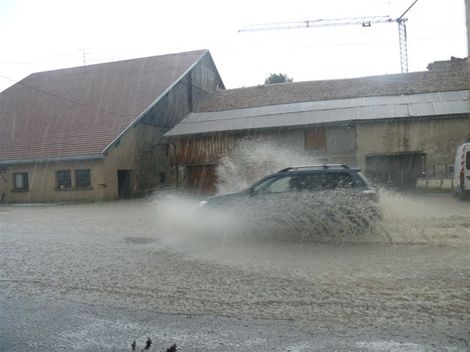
x=326 y=177
x=330 y=191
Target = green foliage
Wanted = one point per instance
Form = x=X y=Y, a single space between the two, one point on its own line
x=274 y=78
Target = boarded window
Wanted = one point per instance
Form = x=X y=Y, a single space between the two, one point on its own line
x=64 y=179
x=83 y=178
x=21 y=181
x=315 y=139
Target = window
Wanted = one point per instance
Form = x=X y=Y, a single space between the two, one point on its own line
x=274 y=185
x=21 y=181
x=334 y=180
x=82 y=178
x=64 y=180
x=467 y=161
x=315 y=139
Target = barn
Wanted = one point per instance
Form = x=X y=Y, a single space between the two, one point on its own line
x=396 y=127
x=95 y=132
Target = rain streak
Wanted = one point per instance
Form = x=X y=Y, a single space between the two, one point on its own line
x=163 y=267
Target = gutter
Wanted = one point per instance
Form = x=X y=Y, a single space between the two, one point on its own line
x=156 y=101
x=52 y=159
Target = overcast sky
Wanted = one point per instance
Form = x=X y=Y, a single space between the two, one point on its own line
x=51 y=34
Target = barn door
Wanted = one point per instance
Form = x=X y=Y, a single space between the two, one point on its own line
x=124 y=183
x=202 y=179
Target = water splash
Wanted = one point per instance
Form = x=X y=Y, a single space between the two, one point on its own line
x=305 y=216
x=254 y=158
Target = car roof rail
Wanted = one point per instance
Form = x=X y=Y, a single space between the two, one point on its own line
x=315 y=167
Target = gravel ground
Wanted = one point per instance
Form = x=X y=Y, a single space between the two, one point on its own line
x=92 y=277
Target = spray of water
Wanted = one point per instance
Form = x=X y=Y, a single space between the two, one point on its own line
x=254 y=158
x=305 y=216
x=295 y=216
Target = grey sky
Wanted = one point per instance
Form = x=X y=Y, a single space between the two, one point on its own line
x=51 y=34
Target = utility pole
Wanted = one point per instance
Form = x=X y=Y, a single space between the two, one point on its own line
x=83 y=50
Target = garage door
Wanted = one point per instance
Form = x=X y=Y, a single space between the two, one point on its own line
x=397 y=170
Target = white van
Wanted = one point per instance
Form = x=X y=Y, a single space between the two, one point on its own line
x=461 y=184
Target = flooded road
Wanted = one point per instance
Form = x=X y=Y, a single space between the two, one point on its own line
x=95 y=277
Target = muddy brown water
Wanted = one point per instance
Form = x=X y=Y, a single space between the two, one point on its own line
x=404 y=287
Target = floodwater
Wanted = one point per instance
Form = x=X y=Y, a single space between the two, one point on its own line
x=94 y=277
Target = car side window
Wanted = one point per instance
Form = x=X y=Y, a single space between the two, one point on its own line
x=334 y=180
x=310 y=182
x=274 y=185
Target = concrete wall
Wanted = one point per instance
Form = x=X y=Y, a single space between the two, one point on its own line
x=437 y=138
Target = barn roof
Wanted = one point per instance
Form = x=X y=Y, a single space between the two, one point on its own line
x=454 y=78
x=428 y=93
x=78 y=112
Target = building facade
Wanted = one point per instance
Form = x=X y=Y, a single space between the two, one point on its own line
x=95 y=132
x=396 y=128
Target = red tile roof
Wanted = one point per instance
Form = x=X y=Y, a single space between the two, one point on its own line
x=451 y=79
x=81 y=110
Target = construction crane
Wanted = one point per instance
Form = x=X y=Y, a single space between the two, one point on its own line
x=363 y=21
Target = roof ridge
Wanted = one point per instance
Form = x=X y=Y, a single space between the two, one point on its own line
x=201 y=51
x=455 y=78
x=388 y=75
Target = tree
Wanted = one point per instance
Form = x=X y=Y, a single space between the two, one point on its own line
x=274 y=78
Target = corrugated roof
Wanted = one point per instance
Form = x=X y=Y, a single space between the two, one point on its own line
x=325 y=112
x=81 y=110
x=387 y=85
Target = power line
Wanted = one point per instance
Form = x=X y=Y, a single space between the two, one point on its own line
x=62 y=97
x=56 y=96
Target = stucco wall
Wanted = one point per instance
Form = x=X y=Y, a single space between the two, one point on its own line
x=437 y=138
x=43 y=183
x=120 y=156
x=340 y=142
x=43 y=180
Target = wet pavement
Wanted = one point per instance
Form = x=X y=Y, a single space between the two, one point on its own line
x=94 y=277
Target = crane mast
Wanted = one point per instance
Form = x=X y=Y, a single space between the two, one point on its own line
x=363 y=21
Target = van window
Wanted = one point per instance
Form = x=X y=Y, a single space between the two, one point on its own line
x=467 y=161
